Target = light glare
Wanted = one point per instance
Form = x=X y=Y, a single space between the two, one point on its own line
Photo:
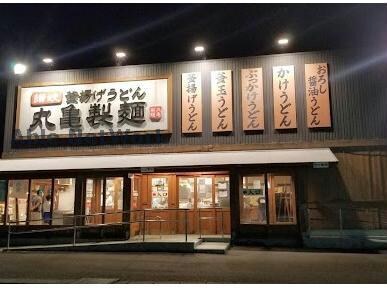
x=19 y=68
x=283 y=41
x=120 y=54
x=199 y=49
x=47 y=60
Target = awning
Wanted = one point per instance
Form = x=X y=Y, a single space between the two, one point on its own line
x=283 y=156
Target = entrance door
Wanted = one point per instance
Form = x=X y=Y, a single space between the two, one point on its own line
x=164 y=197
x=268 y=207
x=208 y=198
x=136 y=216
x=104 y=200
x=94 y=200
x=154 y=193
x=159 y=220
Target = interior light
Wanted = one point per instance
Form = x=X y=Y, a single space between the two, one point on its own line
x=120 y=54
x=19 y=68
x=48 y=60
x=199 y=49
x=283 y=41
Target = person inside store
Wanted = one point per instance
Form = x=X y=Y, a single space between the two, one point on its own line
x=36 y=206
x=47 y=209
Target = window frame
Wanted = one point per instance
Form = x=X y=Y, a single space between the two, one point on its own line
x=195 y=176
x=102 y=177
x=266 y=172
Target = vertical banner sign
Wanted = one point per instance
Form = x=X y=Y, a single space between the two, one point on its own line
x=252 y=99
x=317 y=95
x=191 y=103
x=284 y=97
x=221 y=101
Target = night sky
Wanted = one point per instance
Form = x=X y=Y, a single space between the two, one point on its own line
x=85 y=35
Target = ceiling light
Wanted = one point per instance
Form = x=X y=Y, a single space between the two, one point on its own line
x=19 y=68
x=47 y=60
x=120 y=54
x=199 y=49
x=283 y=41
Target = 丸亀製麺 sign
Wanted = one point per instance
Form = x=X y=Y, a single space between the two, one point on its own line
x=317 y=95
x=84 y=109
x=221 y=101
x=284 y=97
x=252 y=99
x=191 y=102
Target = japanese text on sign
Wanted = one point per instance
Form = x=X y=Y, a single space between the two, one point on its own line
x=317 y=95
x=284 y=97
x=90 y=108
x=191 y=103
x=252 y=99
x=221 y=101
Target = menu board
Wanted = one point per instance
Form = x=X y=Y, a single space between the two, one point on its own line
x=160 y=193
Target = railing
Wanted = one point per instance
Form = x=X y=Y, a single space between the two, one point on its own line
x=79 y=220
x=344 y=218
x=216 y=218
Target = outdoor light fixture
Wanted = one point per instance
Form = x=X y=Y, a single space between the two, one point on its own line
x=19 y=69
x=47 y=60
x=283 y=41
x=199 y=49
x=120 y=54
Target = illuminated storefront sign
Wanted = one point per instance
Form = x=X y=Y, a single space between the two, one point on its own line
x=221 y=101
x=284 y=98
x=111 y=107
x=252 y=99
x=143 y=106
x=317 y=95
x=191 y=102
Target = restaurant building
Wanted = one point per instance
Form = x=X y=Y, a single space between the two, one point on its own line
x=286 y=149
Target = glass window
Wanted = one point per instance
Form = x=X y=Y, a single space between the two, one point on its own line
x=64 y=196
x=159 y=192
x=204 y=192
x=282 y=199
x=186 y=192
x=222 y=191
x=3 y=193
x=40 y=201
x=136 y=188
x=17 y=201
x=253 y=200
x=94 y=200
x=113 y=202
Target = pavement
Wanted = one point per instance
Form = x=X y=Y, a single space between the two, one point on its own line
x=239 y=265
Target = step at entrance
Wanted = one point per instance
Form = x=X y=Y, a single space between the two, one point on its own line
x=212 y=247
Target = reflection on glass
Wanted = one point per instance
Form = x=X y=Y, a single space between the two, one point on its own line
x=253 y=200
x=222 y=191
x=3 y=192
x=113 y=202
x=281 y=193
x=17 y=201
x=204 y=192
x=94 y=200
x=136 y=188
x=40 y=201
x=159 y=193
x=186 y=192
x=64 y=194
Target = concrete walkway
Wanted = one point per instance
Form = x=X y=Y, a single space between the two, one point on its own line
x=239 y=265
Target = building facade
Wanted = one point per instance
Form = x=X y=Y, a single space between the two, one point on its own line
x=269 y=150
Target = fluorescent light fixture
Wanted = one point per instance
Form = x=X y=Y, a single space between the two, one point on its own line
x=199 y=49
x=47 y=60
x=120 y=54
x=19 y=68
x=283 y=41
